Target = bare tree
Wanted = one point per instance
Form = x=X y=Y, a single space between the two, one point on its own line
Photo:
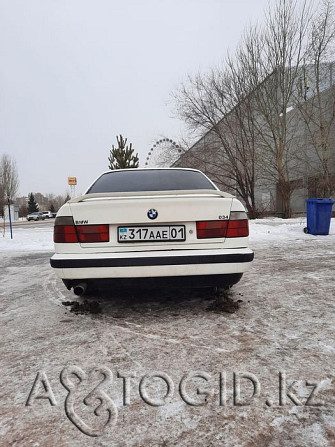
x=316 y=100
x=276 y=54
x=246 y=106
x=59 y=200
x=251 y=111
x=219 y=103
x=9 y=180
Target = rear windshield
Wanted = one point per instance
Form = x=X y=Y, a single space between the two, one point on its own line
x=150 y=180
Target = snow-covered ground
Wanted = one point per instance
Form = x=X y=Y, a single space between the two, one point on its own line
x=269 y=230
x=282 y=335
x=273 y=230
x=27 y=238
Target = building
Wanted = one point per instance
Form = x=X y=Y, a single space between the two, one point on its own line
x=310 y=146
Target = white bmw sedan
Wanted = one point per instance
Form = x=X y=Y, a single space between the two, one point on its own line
x=146 y=226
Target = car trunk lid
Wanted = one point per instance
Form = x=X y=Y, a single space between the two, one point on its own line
x=173 y=209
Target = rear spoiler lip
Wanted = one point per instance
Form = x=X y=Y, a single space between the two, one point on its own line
x=125 y=195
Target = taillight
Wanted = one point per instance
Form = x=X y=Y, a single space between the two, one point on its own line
x=236 y=226
x=93 y=233
x=211 y=229
x=66 y=232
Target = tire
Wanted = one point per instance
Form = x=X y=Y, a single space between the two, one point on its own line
x=306 y=230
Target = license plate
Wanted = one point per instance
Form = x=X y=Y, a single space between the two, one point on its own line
x=166 y=233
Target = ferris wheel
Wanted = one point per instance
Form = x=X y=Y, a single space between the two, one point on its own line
x=163 y=154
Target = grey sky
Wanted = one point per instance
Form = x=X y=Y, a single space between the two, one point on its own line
x=76 y=73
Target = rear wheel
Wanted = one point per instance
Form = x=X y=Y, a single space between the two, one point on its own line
x=306 y=230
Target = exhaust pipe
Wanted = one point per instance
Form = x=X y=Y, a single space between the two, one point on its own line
x=80 y=289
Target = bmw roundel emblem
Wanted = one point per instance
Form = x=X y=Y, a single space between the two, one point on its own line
x=152 y=214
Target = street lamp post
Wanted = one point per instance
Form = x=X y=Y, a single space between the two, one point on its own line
x=10 y=219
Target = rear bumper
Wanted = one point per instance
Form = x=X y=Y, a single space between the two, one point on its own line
x=152 y=264
x=156 y=282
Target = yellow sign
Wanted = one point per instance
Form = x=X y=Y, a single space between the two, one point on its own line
x=72 y=180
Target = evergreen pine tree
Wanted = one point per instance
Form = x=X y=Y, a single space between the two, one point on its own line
x=32 y=204
x=52 y=207
x=122 y=157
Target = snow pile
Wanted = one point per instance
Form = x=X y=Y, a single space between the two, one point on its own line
x=274 y=229
x=27 y=239
x=262 y=231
